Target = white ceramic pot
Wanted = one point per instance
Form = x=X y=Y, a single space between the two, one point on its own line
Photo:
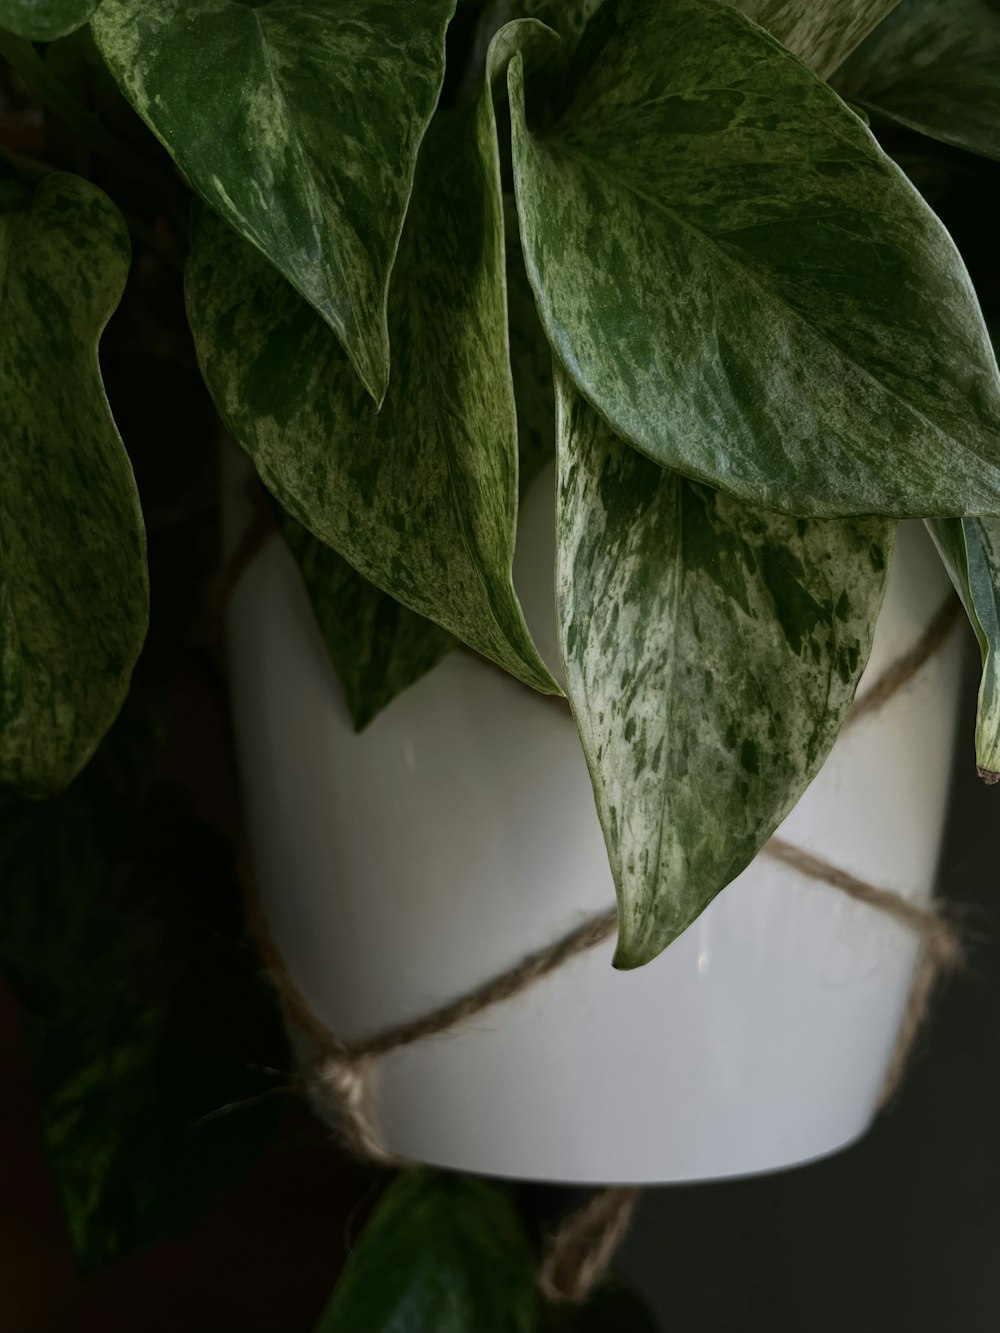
x=401 y=867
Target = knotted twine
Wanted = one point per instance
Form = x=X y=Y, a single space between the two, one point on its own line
x=578 y=1255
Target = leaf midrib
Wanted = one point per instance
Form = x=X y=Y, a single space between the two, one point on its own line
x=305 y=160
x=772 y=299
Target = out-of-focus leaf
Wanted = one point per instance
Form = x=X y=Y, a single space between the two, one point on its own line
x=933 y=66
x=45 y=20
x=970 y=549
x=120 y=927
x=73 y=583
x=822 y=33
x=441 y=1254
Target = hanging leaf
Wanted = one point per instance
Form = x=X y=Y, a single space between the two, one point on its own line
x=377 y=647
x=300 y=124
x=45 y=20
x=932 y=66
x=711 y=653
x=420 y=497
x=822 y=33
x=970 y=549
x=441 y=1254
x=775 y=310
x=120 y=927
x=73 y=588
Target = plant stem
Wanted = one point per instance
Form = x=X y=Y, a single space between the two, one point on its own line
x=90 y=129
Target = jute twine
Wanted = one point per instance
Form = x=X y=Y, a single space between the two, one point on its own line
x=580 y=1252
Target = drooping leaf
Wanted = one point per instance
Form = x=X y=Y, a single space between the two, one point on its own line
x=377 y=647
x=441 y=1254
x=822 y=33
x=299 y=122
x=775 y=311
x=45 y=20
x=420 y=497
x=970 y=549
x=711 y=652
x=120 y=927
x=933 y=66
x=73 y=586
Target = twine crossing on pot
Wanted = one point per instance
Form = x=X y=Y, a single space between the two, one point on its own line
x=579 y=1254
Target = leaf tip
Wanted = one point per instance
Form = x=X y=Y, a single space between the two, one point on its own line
x=988 y=775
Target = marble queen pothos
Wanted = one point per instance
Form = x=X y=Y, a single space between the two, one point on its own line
x=658 y=240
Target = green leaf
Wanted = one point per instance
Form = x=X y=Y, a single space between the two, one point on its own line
x=299 y=122
x=531 y=364
x=420 y=497
x=441 y=1254
x=822 y=33
x=73 y=585
x=45 y=20
x=121 y=928
x=970 y=549
x=933 y=66
x=711 y=652
x=775 y=311
x=377 y=647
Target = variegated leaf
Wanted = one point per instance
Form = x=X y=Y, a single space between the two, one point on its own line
x=934 y=66
x=45 y=20
x=420 y=497
x=299 y=122
x=73 y=587
x=822 y=33
x=377 y=647
x=775 y=310
x=711 y=652
x=970 y=549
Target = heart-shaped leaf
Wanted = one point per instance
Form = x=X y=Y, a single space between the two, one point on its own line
x=711 y=652
x=45 y=20
x=441 y=1254
x=970 y=549
x=933 y=66
x=73 y=587
x=775 y=310
x=299 y=122
x=822 y=33
x=420 y=497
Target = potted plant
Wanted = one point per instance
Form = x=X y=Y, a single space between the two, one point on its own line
x=644 y=270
